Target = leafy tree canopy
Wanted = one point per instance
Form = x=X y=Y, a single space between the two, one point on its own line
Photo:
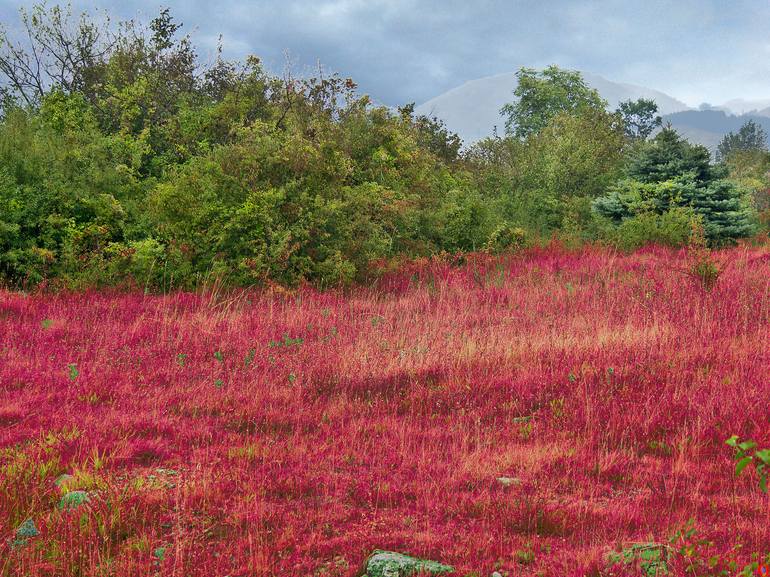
x=751 y=136
x=541 y=95
x=640 y=118
x=125 y=159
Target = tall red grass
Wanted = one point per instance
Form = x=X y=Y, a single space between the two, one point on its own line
x=291 y=433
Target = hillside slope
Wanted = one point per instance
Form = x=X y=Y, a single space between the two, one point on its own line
x=472 y=110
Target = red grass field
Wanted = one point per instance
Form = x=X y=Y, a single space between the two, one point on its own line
x=293 y=433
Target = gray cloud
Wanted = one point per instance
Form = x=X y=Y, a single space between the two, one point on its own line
x=411 y=50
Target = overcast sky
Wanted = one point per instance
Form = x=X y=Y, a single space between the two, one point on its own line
x=411 y=50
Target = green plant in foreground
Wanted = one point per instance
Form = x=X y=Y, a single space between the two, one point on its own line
x=650 y=558
x=695 y=552
x=703 y=267
x=747 y=453
x=287 y=342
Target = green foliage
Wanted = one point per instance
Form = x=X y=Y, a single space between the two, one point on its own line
x=668 y=156
x=640 y=118
x=464 y=222
x=73 y=500
x=669 y=174
x=66 y=114
x=506 y=237
x=433 y=135
x=750 y=137
x=703 y=267
x=541 y=95
x=651 y=559
x=751 y=169
x=280 y=205
x=152 y=174
x=726 y=210
x=748 y=454
x=135 y=164
x=696 y=553
x=62 y=187
x=546 y=182
x=628 y=198
x=671 y=228
x=574 y=155
x=706 y=271
x=286 y=342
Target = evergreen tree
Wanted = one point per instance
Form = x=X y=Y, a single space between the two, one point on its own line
x=668 y=156
x=668 y=173
x=725 y=208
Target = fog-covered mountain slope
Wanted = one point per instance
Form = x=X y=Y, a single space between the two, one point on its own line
x=707 y=127
x=740 y=106
x=472 y=110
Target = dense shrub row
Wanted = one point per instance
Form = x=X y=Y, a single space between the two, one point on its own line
x=134 y=163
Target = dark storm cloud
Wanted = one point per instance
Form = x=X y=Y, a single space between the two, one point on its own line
x=402 y=50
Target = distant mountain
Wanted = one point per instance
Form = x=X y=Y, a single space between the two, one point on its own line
x=472 y=110
x=738 y=106
x=707 y=127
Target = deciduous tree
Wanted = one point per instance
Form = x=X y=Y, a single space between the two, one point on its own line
x=541 y=95
x=640 y=118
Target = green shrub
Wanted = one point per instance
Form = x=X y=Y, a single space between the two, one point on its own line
x=145 y=172
x=672 y=228
x=506 y=237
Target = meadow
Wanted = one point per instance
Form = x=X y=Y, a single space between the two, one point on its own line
x=526 y=414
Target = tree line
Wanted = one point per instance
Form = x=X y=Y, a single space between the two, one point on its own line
x=126 y=158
